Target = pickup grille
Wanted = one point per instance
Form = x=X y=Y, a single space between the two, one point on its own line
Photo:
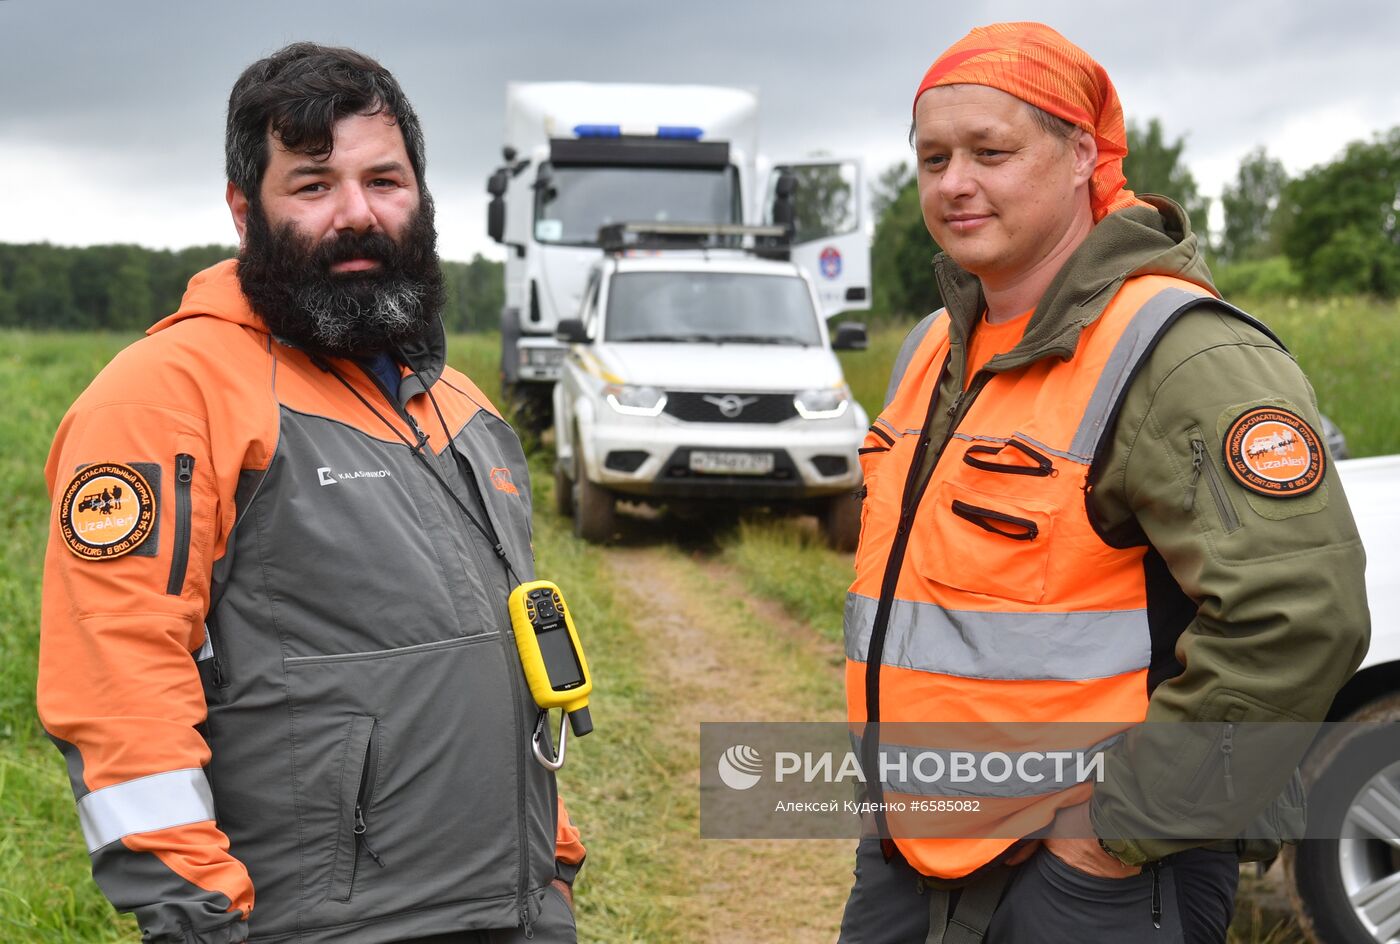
x=730 y=407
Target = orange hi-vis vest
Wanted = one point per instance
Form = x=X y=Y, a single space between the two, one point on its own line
x=985 y=594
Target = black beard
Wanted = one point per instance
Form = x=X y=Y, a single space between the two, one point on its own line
x=289 y=283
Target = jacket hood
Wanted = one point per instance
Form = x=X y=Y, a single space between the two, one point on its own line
x=216 y=293
x=1142 y=240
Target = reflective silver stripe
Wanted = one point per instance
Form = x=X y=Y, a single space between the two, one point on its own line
x=1136 y=341
x=906 y=354
x=206 y=651
x=974 y=644
x=160 y=801
x=949 y=772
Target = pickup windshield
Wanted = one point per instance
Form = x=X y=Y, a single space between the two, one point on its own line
x=710 y=307
x=575 y=201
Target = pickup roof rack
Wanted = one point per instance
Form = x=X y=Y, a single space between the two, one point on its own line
x=767 y=242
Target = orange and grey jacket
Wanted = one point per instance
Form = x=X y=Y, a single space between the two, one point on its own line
x=1056 y=539
x=275 y=654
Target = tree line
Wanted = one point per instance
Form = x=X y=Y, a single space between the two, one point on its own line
x=129 y=288
x=1333 y=230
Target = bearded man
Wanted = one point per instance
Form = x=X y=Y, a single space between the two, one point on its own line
x=282 y=676
x=1096 y=496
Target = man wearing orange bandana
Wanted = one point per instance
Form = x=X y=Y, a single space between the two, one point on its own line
x=1096 y=494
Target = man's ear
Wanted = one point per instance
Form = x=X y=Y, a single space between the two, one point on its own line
x=238 y=207
x=1086 y=156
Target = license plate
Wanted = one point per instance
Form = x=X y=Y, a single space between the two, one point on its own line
x=731 y=463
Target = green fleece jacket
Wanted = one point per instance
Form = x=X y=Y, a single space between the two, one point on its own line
x=1268 y=591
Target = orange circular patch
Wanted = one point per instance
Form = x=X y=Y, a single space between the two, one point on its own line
x=1275 y=452
x=107 y=511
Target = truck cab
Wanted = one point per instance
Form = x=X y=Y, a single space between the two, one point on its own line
x=580 y=156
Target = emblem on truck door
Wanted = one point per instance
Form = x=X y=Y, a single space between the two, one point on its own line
x=731 y=404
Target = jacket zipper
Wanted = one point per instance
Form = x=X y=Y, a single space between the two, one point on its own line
x=507 y=646
x=360 y=827
x=1199 y=460
x=913 y=494
x=180 y=556
x=362 y=800
x=1156 y=869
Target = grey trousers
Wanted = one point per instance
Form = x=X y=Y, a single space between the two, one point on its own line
x=1048 y=902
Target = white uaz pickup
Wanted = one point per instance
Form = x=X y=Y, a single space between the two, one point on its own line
x=705 y=375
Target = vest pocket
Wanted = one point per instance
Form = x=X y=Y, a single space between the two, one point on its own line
x=357 y=776
x=989 y=544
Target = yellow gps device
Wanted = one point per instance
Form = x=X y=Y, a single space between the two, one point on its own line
x=550 y=652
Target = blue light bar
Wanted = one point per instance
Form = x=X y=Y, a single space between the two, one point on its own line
x=598 y=131
x=679 y=132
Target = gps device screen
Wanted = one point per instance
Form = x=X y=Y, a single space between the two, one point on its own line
x=559 y=659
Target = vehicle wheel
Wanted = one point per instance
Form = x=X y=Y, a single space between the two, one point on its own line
x=1345 y=882
x=595 y=515
x=840 y=520
x=563 y=491
x=531 y=406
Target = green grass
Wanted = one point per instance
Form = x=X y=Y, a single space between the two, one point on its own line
x=787 y=561
x=46 y=890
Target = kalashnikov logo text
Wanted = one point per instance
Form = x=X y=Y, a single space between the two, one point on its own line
x=329 y=477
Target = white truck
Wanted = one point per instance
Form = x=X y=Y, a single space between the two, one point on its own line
x=579 y=156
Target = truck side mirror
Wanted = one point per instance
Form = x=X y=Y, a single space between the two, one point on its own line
x=570 y=331
x=784 y=204
x=496 y=219
x=850 y=336
x=496 y=209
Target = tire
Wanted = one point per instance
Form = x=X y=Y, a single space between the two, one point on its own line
x=563 y=492
x=1350 y=772
x=840 y=522
x=595 y=510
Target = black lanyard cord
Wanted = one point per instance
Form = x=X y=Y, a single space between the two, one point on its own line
x=417 y=449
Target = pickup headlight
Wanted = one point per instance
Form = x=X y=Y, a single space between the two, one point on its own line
x=634 y=400
x=826 y=403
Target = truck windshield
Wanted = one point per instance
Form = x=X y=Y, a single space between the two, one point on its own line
x=710 y=307
x=578 y=200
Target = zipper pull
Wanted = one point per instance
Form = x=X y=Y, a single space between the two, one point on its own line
x=418 y=433
x=184 y=468
x=1198 y=458
x=1155 y=869
x=526 y=923
x=1227 y=747
x=360 y=830
x=220 y=680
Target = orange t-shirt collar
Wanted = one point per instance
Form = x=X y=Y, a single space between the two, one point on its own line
x=1037 y=65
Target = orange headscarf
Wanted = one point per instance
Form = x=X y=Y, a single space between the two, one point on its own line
x=1038 y=65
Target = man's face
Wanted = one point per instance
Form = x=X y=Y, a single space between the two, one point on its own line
x=338 y=255
x=999 y=193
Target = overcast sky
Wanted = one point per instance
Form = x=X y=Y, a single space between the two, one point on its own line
x=111 y=111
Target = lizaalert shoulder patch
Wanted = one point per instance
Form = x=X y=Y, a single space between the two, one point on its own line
x=1272 y=451
x=107 y=511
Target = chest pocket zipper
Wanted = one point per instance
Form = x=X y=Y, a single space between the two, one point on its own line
x=1201 y=464
x=180 y=554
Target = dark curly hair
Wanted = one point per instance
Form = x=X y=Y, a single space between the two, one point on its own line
x=298 y=94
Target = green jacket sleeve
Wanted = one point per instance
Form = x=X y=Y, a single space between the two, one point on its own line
x=1271 y=586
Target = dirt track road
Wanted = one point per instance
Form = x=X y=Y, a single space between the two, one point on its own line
x=723 y=653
